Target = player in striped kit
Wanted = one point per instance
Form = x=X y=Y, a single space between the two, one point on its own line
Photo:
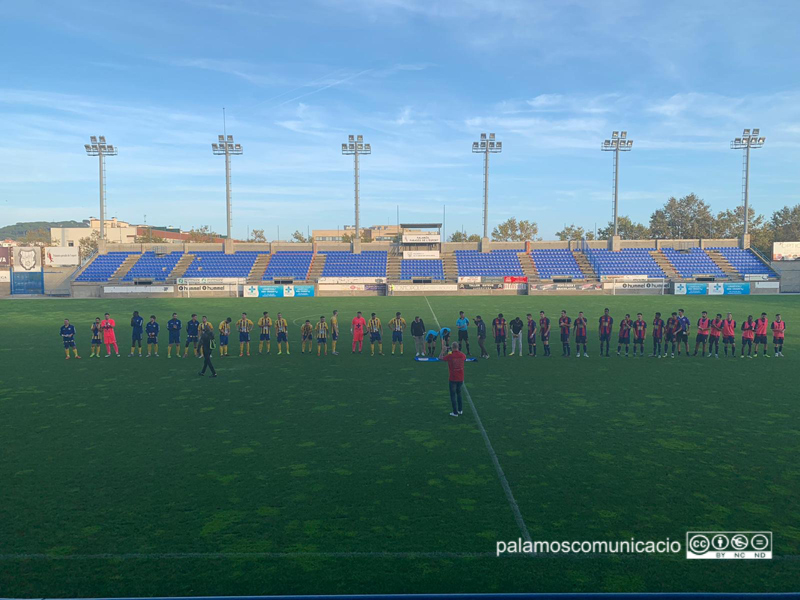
x=265 y=325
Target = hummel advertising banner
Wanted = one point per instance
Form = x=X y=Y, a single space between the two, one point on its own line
x=5 y=257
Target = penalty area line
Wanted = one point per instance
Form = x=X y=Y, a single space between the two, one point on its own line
x=512 y=502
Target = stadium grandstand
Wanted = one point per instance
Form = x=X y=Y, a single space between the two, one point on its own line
x=451 y=264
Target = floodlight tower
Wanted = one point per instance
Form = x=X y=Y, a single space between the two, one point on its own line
x=750 y=139
x=619 y=142
x=98 y=147
x=355 y=146
x=486 y=147
x=226 y=147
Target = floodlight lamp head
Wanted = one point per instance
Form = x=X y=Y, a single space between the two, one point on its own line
x=614 y=134
x=746 y=132
x=230 y=138
x=102 y=139
x=483 y=136
x=499 y=145
x=93 y=139
x=762 y=140
x=623 y=134
x=360 y=138
x=88 y=147
x=344 y=147
x=367 y=148
x=474 y=144
x=350 y=138
x=491 y=136
x=630 y=143
x=221 y=138
x=756 y=132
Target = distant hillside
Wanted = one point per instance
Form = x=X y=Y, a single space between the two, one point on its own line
x=20 y=229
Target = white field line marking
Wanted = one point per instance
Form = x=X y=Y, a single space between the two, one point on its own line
x=492 y=454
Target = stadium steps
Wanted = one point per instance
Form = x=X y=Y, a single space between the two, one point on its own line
x=664 y=263
x=124 y=268
x=316 y=267
x=181 y=266
x=528 y=266
x=394 y=264
x=723 y=263
x=450 y=266
x=585 y=265
x=256 y=275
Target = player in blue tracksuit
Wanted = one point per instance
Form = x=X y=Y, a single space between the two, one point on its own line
x=152 y=328
x=174 y=326
x=68 y=336
x=137 y=331
x=192 y=334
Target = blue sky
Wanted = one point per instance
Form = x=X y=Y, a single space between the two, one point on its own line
x=420 y=80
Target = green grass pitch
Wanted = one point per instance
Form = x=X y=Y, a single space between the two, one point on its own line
x=298 y=474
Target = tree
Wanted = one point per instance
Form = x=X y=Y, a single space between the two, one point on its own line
x=257 y=236
x=513 y=231
x=37 y=237
x=686 y=218
x=298 y=237
x=628 y=230
x=460 y=236
x=89 y=244
x=571 y=232
x=349 y=237
x=202 y=235
x=149 y=238
x=785 y=224
x=728 y=223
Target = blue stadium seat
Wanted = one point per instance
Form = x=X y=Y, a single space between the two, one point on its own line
x=746 y=262
x=288 y=265
x=153 y=267
x=421 y=268
x=628 y=261
x=219 y=264
x=692 y=262
x=104 y=266
x=497 y=263
x=552 y=262
x=370 y=263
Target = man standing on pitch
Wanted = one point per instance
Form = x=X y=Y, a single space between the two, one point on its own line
x=532 y=328
x=137 y=330
x=683 y=331
x=499 y=330
x=606 y=322
x=455 y=363
x=418 y=333
x=462 y=324
x=480 y=325
x=357 y=328
x=205 y=344
x=516 y=326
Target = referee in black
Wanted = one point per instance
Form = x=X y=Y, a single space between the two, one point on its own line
x=205 y=343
